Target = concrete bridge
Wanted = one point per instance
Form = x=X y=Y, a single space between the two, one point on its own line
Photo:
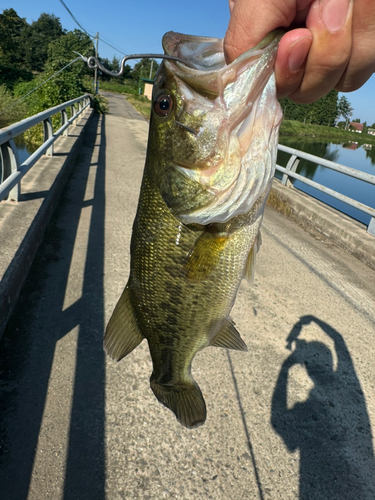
x=282 y=424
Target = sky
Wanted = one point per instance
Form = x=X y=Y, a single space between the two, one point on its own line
x=138 y=26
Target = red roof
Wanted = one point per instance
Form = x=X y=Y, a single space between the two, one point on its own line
x=357 y=126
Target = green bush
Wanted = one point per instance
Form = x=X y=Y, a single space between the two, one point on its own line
x=9 y=111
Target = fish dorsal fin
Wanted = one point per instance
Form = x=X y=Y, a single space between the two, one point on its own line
x=250 y=263
x=122 y=334
x=229 y=337
x=184 y=398
x=205 y=256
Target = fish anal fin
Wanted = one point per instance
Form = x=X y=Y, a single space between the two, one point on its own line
x=122 y=334
x=229 y=337
x=250 y=262
x=184 y=398
x=205 y=256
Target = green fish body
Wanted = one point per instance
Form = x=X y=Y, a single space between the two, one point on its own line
x=210 y=161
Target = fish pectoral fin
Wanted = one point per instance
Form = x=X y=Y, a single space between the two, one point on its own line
x=250 y=263
x=205 y=256
x=185 y=399
x=122 y=334
x=229 y=337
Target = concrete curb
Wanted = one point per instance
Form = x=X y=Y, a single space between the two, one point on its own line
x=22 y=224
x=314 y=215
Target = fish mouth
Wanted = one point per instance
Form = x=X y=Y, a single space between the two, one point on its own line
x=206 y=54
x=232 y=171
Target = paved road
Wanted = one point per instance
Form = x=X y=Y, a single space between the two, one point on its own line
x=76 y=425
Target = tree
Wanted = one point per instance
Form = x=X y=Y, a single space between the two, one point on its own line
x=322 y=112
x=11 y=30
x=66 y=85
x=114 y=66
x=37 y=37
x=344 y=109
x=143 y=68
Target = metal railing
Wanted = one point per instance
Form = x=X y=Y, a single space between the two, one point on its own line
x=290 y=172
x=11 y=171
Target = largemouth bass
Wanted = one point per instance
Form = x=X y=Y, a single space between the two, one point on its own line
x=210 y=162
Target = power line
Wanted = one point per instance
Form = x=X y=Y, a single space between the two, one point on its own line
x=113 y=47
x=92 y=36
x=75 y=20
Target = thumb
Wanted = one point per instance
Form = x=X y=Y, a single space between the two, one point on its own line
x=252 y=20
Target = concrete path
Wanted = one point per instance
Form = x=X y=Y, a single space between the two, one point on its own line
x=280 y=426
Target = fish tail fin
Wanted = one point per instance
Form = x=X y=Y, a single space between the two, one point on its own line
x=185 y=399
x=122 y=334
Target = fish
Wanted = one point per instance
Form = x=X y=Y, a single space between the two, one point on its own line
x=209 y=165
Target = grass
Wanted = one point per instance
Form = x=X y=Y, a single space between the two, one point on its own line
x=277 y=203
x=141 y=104
x=119 y=87
x=291 y=128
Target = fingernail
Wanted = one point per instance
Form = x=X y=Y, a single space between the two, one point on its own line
x=298 y=53
x=335 y=13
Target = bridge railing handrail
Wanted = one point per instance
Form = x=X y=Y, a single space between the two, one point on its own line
x=290 y=172
x=12 y=170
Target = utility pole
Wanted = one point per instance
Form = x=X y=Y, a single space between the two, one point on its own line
x=96 y=69
x=152 y=63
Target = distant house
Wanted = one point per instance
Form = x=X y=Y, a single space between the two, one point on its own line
x=371 y=131
x=148 y=87
x=358 y=127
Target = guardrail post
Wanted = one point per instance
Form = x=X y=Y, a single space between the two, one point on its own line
x=64 y=120
x=79 y=109
x=371 y=227
x=291 y=167
x=48 y=133
x=73 y=112
x=10 y=163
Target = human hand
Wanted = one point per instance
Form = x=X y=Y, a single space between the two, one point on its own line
x=330 y=43
x=299 y=354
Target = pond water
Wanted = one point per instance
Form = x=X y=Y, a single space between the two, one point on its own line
x=351 y=155
x=354 y=156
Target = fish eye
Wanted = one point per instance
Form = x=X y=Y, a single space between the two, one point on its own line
x=163 y=105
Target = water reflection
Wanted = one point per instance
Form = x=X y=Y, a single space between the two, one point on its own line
x=370 y=154
x=346 y=154
x=350 y=145
x=306 y=168
x=331 y=429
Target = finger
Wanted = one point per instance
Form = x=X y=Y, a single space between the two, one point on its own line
x=291 y=60
x=249 y=24
x=362 y=60
x=330 y=22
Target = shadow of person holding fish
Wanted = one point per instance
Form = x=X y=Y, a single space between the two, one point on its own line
x=331 y=429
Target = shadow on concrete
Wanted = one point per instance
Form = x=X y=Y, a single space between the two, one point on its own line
x=246 y=429
x=29 y=343
x=32 y=196
x=331 y=429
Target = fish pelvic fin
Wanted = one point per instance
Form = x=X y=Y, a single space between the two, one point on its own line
x=122 y=334
x=250 y=263
x=205 y=256
x=184 y=398
x=229 y=337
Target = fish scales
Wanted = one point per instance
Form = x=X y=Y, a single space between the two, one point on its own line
x=187 y=259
